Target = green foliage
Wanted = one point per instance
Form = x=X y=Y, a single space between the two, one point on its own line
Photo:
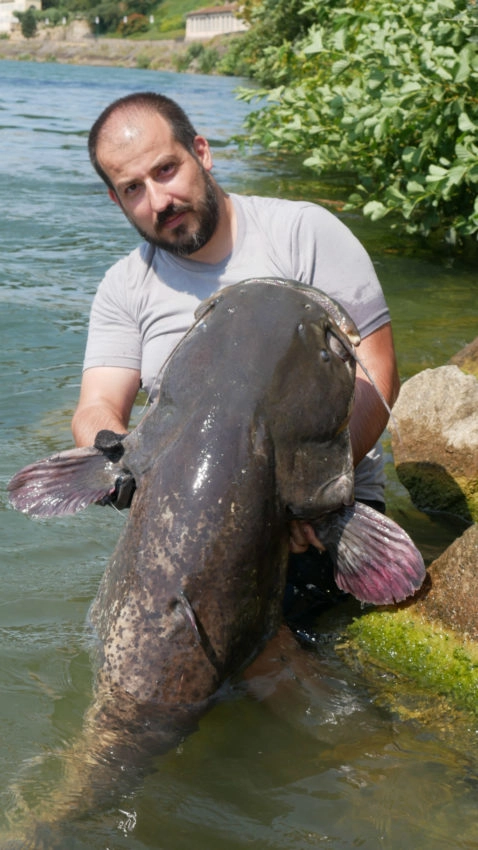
x=275 y=24
x=112 y=15
x=143 y=61
x=208 y=60
x=28 y=22
x=385 y=90
x=134 y=24
x=52 y=16
x=168 y=15
x=198 y=57
x=172 y=24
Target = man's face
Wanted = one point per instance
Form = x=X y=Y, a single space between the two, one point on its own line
x=164 y=191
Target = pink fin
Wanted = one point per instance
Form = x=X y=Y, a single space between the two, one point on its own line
x=64 y=483
x=375 y=560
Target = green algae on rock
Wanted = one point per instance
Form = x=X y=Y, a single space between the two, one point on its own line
x=404 y=643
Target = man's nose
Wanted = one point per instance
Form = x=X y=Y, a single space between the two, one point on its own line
x=158 y=196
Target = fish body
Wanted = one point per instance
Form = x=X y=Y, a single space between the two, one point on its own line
x=250 y=430
x=220 y=469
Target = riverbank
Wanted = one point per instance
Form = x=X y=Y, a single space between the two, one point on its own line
x=87 y=50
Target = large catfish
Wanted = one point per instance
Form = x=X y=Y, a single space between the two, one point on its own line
x=249 y=431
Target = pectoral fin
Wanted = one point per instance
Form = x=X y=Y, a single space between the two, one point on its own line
x=64 y=483
x=375 y=560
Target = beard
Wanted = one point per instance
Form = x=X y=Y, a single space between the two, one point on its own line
x=184 y=241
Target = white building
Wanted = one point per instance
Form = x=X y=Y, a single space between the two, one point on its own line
x=8 y=7
x=214 y=20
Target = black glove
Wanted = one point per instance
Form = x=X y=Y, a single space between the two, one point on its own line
x=110 y=444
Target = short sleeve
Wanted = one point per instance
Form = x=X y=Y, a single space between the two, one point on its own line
x=113 y=335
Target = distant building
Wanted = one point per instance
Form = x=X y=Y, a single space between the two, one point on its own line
x=214 y=20
x=8 y=7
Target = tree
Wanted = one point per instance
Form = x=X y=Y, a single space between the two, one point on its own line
x=28 y=23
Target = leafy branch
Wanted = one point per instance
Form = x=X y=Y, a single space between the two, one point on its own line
x=384 y=91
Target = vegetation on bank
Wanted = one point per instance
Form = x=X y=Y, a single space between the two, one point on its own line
x=384 y=92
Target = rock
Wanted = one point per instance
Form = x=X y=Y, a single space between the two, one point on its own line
x=467 y=358
x=435 y=440
x=453 y=578
x=432 y=639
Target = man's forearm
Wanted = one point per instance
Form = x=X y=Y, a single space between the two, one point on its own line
x=89 y=420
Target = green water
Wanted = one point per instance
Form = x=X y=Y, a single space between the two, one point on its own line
x=310 y=754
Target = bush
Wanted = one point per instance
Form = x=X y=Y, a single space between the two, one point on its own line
x=208 y=60
x=385 y=90
x=134 y=23
x=143 y=61
x=198 y=57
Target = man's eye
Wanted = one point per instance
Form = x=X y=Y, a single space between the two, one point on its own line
x=166 y=170
x=129 y=190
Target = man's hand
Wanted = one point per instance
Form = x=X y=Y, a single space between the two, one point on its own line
x=302 y=535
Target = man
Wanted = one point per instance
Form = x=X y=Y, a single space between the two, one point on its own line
x=197 y=240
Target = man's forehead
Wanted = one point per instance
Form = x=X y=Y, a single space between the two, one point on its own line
x=128 y=125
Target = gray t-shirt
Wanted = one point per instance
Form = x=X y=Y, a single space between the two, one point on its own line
x=146 y=301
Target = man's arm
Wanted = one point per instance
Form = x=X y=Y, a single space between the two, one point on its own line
x=106 y=399
x=369 y=415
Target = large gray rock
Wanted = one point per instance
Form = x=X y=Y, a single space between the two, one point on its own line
x=453 y=577
x=435 y=440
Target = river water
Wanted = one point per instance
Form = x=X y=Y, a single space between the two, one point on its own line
x=312 y=754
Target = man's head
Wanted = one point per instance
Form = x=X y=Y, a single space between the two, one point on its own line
x=156 y=168
x=183 y=130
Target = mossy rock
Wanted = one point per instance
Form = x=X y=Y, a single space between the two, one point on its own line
x=431 y=640
x=402 y=642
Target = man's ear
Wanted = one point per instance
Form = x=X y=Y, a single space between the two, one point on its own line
x=203 y=151
x=113 y=196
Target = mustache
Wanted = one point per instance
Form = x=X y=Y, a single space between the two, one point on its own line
x=170 y=211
